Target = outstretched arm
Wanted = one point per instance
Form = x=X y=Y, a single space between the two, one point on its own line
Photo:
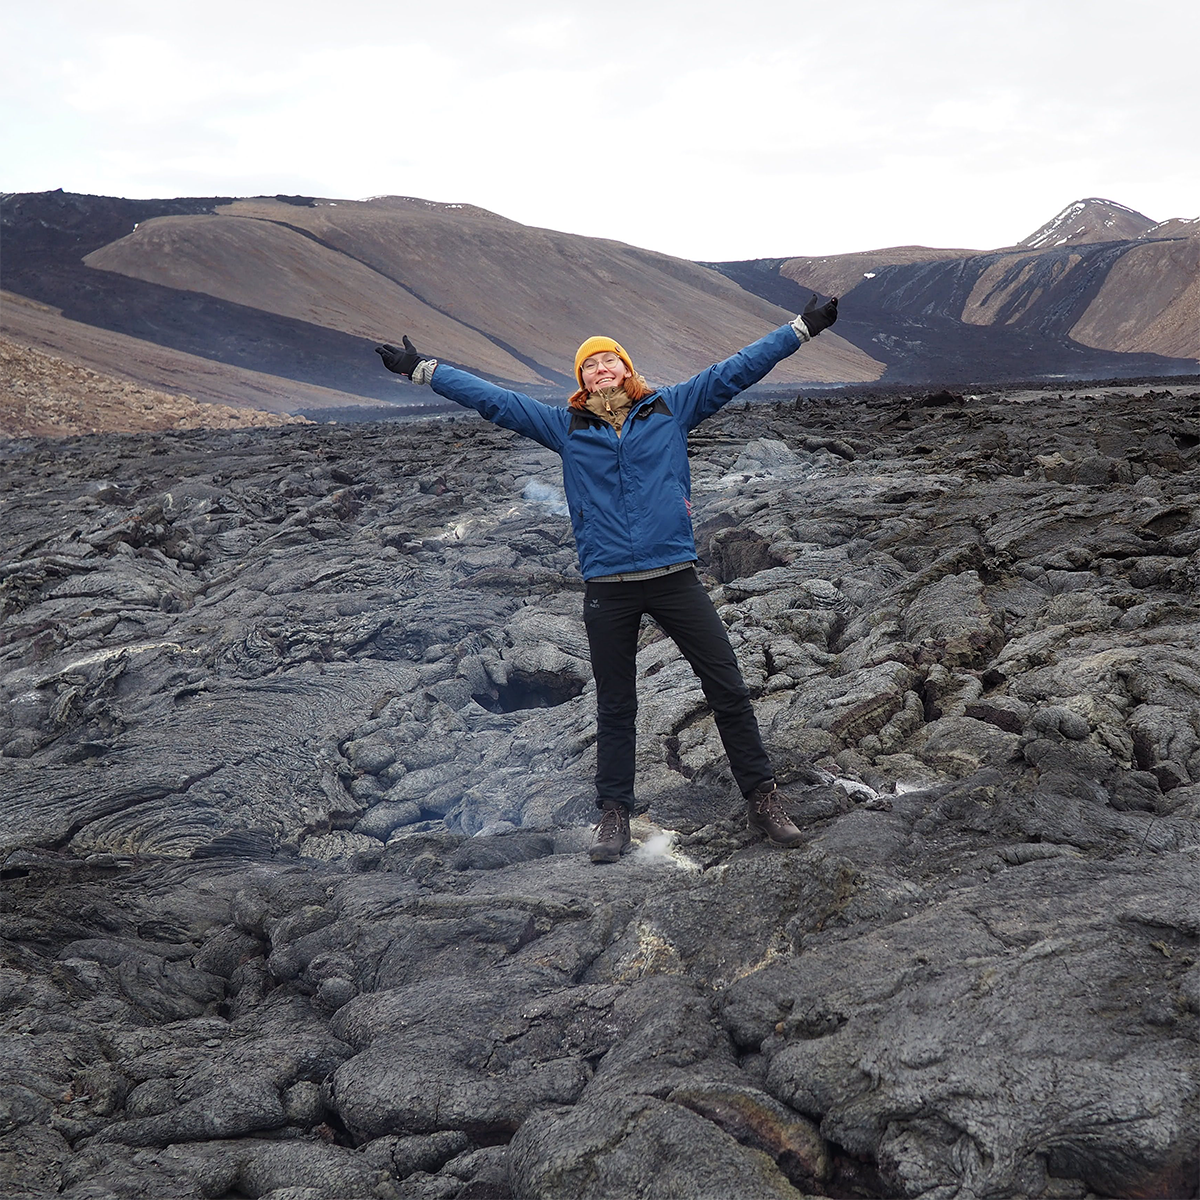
x=709 y=391
x=510 y=410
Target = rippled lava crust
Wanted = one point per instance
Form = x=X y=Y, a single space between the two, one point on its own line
x=297 y=741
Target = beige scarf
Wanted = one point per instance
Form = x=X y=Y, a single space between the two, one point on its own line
x=611 y=405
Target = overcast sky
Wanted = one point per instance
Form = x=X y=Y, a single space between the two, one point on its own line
x=710 y=130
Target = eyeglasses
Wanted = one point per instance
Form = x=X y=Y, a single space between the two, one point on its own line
x=601 y=360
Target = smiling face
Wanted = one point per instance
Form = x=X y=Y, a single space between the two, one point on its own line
x=602 y=371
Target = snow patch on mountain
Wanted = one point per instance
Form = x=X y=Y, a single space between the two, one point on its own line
x=1090 y=220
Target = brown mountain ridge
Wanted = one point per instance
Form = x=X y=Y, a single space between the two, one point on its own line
x=448 y=272
x=282 y=299
x=1098 y=277
x=303 y=290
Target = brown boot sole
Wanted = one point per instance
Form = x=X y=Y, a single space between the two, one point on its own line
x=762 y=833
x=606 y=856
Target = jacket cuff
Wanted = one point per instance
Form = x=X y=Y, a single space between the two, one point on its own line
x=423 y=371
x=801 y=330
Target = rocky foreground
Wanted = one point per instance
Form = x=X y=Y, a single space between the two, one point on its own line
x=298 y=737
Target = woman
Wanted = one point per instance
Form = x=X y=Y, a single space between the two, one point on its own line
x=623 y=445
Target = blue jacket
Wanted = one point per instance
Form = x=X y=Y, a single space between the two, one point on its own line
x=629 y=496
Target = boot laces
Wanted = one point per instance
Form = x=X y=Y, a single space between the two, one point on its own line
x=768 y=805
x=609 y=824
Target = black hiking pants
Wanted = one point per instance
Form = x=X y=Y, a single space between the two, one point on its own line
x=612 y=613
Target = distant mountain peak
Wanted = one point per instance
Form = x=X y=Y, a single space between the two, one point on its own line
x=1090 y=220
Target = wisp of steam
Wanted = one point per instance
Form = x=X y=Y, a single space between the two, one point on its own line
x=660 y=847
x=549 y=495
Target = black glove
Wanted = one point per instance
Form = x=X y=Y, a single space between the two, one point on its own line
x=817 y=317
x=403 y=362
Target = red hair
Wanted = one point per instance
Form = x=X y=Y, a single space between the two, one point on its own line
x=633 y=385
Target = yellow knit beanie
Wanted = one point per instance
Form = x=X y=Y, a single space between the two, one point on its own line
x=597 y=345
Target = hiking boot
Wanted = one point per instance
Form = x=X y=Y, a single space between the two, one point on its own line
x=612 y=833
x=765 y=815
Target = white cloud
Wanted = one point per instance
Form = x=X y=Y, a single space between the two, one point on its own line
x=762 y=130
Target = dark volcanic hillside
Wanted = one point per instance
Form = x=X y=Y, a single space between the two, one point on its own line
x=46 y=236
x=510 y=299
x=278 y=302
x=1097 y=292
x=303 y=289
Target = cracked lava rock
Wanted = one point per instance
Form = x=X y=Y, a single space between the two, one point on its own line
x=298 y=736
